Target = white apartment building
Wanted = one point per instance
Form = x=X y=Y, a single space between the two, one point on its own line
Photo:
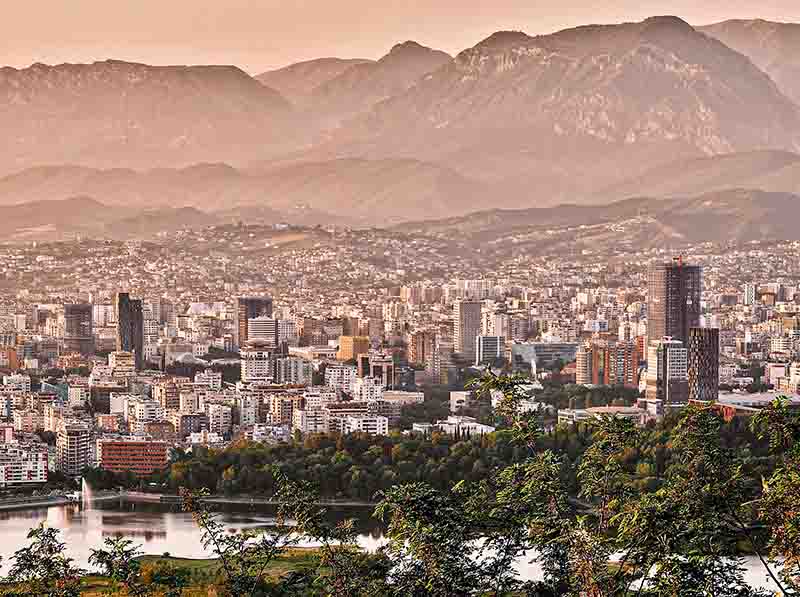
x=341 y=377
x=257 y=364
x=264 y=329
x=209 y=378
x=366 y=424
x=367 y=388
x=220 y=418
x=140 y=411
x=248 y=410
x=294 y=371
x=22 y=464
x=17 y=382
x=309 y=420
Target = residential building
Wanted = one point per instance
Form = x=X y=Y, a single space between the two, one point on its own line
x=73 y=447
x=23 y=464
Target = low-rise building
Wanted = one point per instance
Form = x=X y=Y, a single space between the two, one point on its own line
x=141 y=457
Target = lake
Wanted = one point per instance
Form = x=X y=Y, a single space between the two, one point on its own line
x=160 y=528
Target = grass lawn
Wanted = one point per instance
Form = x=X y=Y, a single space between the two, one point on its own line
x=203 y=572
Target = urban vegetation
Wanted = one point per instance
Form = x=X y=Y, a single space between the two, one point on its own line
x=607 y=509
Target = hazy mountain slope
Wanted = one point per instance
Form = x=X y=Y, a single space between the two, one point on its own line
x=703 y=175
x=151 y=222
x=71 y=214
x=204 y=185
x=360 y=87
x=374 y=191
x=116 y=114
x=565 y=113
x=731 y=215
x=369 y=192
x=773 y=47
x=296 y=82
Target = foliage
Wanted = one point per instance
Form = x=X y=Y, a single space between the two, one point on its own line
x=244 y=556
x=119 y=562
x=607 y=509
x=42 y=569
x=779 y=507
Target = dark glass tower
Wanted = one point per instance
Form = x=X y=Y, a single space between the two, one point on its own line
x=130 y=326
x=78 y=336
x=703 y=369
x=248 y=308
x=673 y=300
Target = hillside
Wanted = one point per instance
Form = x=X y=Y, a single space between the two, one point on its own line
x=298 y=81
x=119 y=114
x=640 y=223
x=767 y=170
x=773 y=47
x=560 y=115
x=358 y=192
x=359 y=88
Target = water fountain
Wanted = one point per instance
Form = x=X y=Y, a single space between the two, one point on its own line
x=86 y=495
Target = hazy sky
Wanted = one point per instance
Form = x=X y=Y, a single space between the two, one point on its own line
x=262 y=34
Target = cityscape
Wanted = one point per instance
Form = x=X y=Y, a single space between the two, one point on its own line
x=374 y=299
x=124 y=366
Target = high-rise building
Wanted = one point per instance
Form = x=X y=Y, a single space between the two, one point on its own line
x=78 y=329
x=420 y=347
x=263 y=329
x=667 y=371
x=130 y=326
x=352 y=346
x=489 y=349
x=257 y=363
x=703 y=365
x=673 y=300
x=749 y=294
x=248 y=308
x=73 y=447
x=466 y=326
x=583 y=367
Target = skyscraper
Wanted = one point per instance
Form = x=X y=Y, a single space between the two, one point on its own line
x=673 y=300
x=466 y=326
x=667 y=371
x=248 y=308
x=130 y=326
x=78 y=329
x=703 y=370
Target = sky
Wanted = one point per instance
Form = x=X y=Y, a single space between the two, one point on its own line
x=259 y=35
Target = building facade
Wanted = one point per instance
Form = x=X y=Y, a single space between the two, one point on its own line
x=673 y=300
x=703 y=365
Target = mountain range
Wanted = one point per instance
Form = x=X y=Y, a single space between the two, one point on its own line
x=584 y=116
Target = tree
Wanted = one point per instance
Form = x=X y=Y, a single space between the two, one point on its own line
x=778 y=506
x=119 y=562
x=42 y=569
x=244 y=557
